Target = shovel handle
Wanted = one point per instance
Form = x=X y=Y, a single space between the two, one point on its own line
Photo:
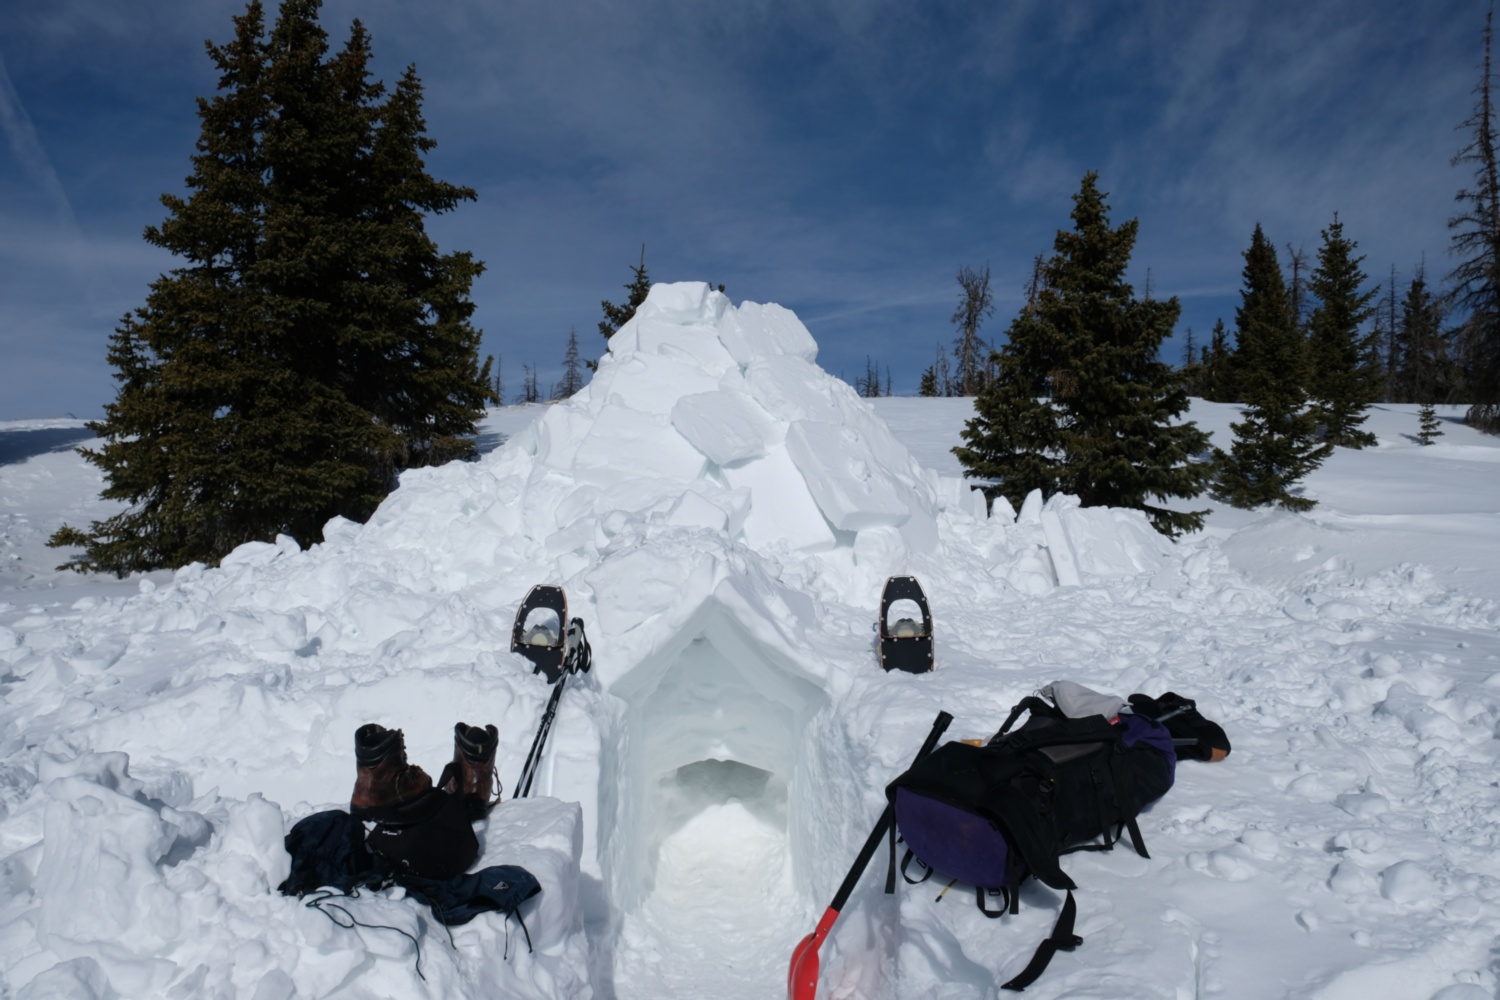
x=939 y=726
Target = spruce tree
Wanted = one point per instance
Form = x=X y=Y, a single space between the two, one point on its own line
x=314 y=342
x=640 y=285
x=1275 y=446
x=1346 y=374
x=1475 y=241
x=1428 y=427
x=1216 y=363
x=1428 y=373
x=928 y=384
x=1082 y=403
x=572 y=379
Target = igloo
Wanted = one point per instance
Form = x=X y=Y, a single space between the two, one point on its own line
x=708 y=450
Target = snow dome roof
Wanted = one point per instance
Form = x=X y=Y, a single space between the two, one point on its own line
x=730 y=402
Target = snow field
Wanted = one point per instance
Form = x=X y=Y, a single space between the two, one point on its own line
x=723 y=515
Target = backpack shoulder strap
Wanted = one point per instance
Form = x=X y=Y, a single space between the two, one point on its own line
x=1061 y=939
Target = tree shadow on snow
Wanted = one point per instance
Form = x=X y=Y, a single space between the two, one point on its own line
x=19 y=445
x=487 y=441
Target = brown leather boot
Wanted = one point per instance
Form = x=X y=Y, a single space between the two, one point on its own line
x=384 y=779
x=472 y=773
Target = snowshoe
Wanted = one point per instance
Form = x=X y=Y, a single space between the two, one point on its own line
x=539 y=636
x=905 y=644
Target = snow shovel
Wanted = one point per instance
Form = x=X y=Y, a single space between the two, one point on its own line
x=802 y=977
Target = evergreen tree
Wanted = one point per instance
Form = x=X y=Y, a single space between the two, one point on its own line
x=1082 y=403
x=1428 y=373
x=1275 y=445
x=572 y=379
x=1475 y=240
x=640 y=285
x=974 y=304
x=1428 y=427
x=928 y=384
x=1344 y=363
x=938 y=377
x=499 y=384
x=314 y=341
x=530 y=391
x=1216 y=363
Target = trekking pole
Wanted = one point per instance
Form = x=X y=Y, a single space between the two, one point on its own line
x=578 y=657
x=802 y=976
x=534 y=758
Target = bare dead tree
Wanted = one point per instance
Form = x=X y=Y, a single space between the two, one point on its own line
x=969 y=351
x=1475 y=241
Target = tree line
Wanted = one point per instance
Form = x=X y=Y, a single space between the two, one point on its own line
x=1079 y=401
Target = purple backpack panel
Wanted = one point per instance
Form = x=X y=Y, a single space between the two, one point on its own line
x=1139 y=729
x=951 y=840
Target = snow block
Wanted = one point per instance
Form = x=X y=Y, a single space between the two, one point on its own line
x=760 y=331
x=793 y=389
x=851 y=489
x=727 y=427
x=782 y=511
x=1064 y=563
x=1109 y=541
x=656 y=450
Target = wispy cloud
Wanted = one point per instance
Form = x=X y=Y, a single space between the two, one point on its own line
x=27 y=150
x=843 y=157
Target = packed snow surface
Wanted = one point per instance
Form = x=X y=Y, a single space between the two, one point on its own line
x=722 y=514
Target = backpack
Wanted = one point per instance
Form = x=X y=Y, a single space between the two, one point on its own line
x=330 y=857
x=430 y=836
x=993 y=815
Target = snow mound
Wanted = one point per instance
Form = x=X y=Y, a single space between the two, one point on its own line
x=729 y=400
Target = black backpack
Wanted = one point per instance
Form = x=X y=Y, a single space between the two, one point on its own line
x=991 y=816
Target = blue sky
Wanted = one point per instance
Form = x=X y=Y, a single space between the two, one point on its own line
x=842 y=158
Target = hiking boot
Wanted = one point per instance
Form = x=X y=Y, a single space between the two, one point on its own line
x=472 y=773
x=384 y=779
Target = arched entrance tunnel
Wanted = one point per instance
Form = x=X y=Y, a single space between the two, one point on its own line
x=703 y=855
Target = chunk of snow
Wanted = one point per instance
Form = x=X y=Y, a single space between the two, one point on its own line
x=728 y=427
x=1407 y=882
x=781 y=508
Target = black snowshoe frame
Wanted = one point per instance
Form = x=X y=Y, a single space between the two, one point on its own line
x=911 y=653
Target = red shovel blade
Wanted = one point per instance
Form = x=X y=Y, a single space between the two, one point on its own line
x=802 y=977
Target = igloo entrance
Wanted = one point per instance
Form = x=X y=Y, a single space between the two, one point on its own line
x=704 y=851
